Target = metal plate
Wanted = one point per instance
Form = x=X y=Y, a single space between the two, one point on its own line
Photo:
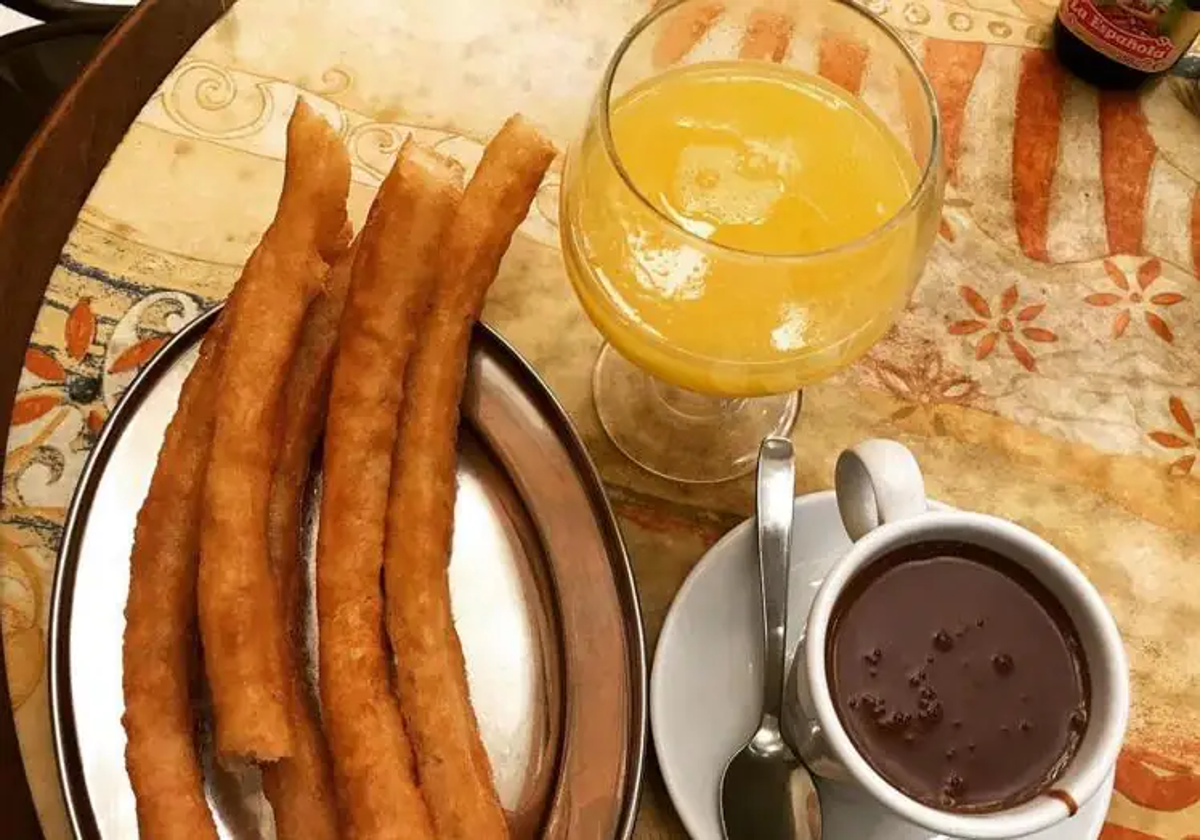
x=543 y=597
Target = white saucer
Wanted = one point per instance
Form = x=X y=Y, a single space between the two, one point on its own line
x=706 y=686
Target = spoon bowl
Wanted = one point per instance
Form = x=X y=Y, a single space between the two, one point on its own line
x=767 y=793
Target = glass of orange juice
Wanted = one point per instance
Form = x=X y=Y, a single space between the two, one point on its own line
x=746 y=213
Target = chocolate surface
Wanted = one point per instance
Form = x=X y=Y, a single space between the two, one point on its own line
x=958 y=676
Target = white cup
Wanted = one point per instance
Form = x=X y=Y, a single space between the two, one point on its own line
x=881 y=497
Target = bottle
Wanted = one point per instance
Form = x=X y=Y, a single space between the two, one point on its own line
x=1122 y=44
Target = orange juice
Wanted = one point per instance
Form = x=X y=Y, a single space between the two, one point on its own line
x=739 y=266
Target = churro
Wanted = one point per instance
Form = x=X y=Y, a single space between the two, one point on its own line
x=394 y=274
x=241 y=622
x=300 y=788
x=452 y=765
x=160 y=617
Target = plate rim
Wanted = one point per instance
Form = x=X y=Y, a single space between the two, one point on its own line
x=67 y=759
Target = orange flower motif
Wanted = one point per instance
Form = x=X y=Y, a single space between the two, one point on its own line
x=924 y=385
x=1187 y=441
x=138 y=354
x=1133 y=300
x=1004 y=325
x=73 y=379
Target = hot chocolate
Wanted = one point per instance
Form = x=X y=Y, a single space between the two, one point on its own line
x=958 y=676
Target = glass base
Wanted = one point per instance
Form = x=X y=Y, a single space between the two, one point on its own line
x=683 y=435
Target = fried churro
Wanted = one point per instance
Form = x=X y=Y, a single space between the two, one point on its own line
x=452 y=765
x=160 y=617
x=394 y=275
x=242 y=626
x=300 y=788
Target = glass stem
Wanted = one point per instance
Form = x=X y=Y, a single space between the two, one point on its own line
x=694 y=405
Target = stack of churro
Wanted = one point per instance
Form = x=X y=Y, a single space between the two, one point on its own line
x=364 y=340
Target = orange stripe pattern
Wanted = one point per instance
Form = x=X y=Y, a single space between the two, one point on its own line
x=1040 y=92
x=952 y=67
x=842 y=61
x=768 y=36
x=1126 y=157
x=683 y=30
x=1196 y=234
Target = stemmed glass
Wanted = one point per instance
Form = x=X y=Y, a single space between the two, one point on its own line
x=715 y=314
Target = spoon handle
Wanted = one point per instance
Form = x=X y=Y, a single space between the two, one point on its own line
x=776 y=489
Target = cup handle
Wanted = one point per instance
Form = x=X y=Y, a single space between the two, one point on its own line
x=877 y=482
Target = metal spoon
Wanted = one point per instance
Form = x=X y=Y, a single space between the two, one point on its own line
x=766 y=793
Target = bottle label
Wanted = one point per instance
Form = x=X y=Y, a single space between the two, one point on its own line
x=1147 y=35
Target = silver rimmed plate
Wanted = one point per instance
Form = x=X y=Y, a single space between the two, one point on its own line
x=543 y=596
